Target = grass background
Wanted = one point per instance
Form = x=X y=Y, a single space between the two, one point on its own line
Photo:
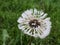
x=10 y=10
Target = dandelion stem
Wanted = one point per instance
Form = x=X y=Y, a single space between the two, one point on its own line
x=30 y=40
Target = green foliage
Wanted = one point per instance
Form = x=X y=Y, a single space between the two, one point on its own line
x=11 y=10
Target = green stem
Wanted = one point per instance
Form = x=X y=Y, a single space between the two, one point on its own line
x=30 y=40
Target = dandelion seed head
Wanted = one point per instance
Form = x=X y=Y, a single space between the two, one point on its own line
x=34 y=23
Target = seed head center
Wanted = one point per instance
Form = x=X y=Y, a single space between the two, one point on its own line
x=34 y=23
